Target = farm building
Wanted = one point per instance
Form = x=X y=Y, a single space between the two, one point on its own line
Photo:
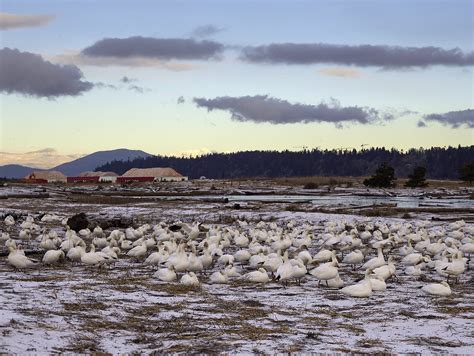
x=151 y=175
x=46 y=177
x=94 y=177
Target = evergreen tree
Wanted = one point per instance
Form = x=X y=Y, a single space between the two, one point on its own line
x=417 y=178
x=466 y=172
x=384 y=177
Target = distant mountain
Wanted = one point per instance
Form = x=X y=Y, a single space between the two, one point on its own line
x=74 y=168
x=15 y=171
x=92 y=161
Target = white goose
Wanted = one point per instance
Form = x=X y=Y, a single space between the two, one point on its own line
x=17 y=259
x=327 y=270
x=166 y=274
x=354 y=258
x=92 y=258
x=362 y=289
x=376 y=261
x=189 y=279
x=219 y=277
x=440 y=289
x=259 y=276
x=53 y=256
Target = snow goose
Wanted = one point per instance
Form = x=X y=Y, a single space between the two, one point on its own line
x=326 y=271
x=166 y=274
x=206 y=259
x=75 y=253
x=4 y=236
x=242 y=256
x=219 y=277
x=158 y=257
x=17 y=259
x=194 y=262
x=53 y=256
x=274 y=261
x=85 y=234
x=360 y=290
x=241 y=240
x=378 y=284
x=305 y=256
x=24 y=235
x=299 y=270
x=259 y=276
x=335 y=282
x=138 y=251
x=9 y=221
x=415 y=271
x=257 y=261
x=412 y=259
x=440 y=289
x=456 y=267
x=354 y=258
x=376 y=261
x=179 y=259
x=225 y=259
x=284 y=271
x=189 y=279
x=406 y=250
x=231 y=271
x=111 y=252
x=385 y=271
x=92 y=258
x=468 y=248
x=323 y=256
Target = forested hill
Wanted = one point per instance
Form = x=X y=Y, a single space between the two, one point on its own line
x=441 y=163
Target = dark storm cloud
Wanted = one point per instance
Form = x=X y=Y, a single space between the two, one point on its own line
x=262 y=108
x=181 y=100
x=160 y=48
x=29 y=74
x=206 y=31
x=390 y=57
x=454 y=119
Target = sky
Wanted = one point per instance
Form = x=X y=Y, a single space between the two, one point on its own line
x=192 y=77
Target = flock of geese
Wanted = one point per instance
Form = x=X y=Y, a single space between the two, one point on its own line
x=261 y=252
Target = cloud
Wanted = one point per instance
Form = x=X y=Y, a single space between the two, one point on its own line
x=44 y=158
x=76 y=58
x=102 y=85
x=29 y=74
x=454 y=119
x=262 y=108
x=127 y=80
x=387 y=57
x=156 y=48
x=341 y=72
x=206 y=31
x=9 y=21
x=138 y=89
x=181 y=100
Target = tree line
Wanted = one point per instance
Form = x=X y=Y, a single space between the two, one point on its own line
x=439 y=162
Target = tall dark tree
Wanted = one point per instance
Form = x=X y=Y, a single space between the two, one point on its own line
x=417 y=178
x=384 y=177
x=466 y=172
x=440 y=163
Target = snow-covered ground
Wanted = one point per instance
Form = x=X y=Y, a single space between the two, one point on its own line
x=122 y=308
